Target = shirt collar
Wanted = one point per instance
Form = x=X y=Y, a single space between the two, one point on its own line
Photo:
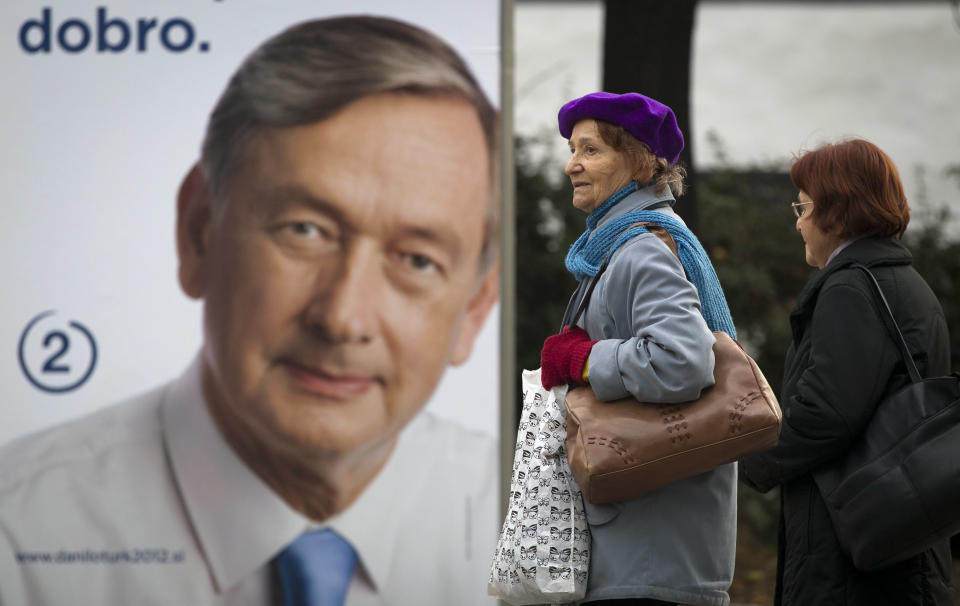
x=370 y=523
x=241 y=524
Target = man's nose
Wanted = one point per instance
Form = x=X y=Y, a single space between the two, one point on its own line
x=344 y=308
x=573 y=165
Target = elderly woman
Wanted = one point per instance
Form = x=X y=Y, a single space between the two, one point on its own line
x=646 y=333
x=841 y=364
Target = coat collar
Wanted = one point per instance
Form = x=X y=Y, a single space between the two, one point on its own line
x=870 y=251
x=642 y=199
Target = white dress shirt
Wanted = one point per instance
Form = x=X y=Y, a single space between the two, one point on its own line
x=145 y=503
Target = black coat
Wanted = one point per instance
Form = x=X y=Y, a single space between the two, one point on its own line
x=841 y=363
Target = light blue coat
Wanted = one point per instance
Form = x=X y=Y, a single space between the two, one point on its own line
x=676 y=543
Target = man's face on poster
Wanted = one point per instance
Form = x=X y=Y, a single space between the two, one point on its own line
x=341 y=271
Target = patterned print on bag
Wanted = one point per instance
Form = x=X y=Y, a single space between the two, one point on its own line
x=562 y=555
x=736 y=415
x=559 y=514
x=543 y=498
x=675 y=424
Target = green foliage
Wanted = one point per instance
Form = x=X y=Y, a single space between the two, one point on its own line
x=547 y=224
x=937 y=258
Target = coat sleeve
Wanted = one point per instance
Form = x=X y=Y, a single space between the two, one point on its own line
x=846 y=374
x=664 y=352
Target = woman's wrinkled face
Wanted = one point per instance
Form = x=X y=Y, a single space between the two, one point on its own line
x=596 y=170
x=819 y=244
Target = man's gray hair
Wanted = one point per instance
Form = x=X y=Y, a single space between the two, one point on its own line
x=312 y=70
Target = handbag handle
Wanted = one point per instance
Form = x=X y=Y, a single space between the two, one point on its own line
x=586 y=296
x=653 y=228
x=891 y=323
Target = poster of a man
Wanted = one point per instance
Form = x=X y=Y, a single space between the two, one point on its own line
x=340 y=228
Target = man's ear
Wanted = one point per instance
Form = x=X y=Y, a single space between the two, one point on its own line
x=478 y=308
x=193 y=231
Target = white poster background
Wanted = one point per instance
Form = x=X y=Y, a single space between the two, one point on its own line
x=94 y=146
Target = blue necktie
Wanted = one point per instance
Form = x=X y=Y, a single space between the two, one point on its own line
x=315 y=570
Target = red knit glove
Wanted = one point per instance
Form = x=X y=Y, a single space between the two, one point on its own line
x=563 y=357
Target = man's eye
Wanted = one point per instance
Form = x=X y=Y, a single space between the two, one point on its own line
x=306 y=236
x=302 y=228
x=420 y=262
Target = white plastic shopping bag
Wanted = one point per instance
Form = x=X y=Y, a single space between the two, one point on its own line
x=543 y=552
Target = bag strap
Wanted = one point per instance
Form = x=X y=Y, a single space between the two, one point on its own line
x=653 y=228
x=891 y=323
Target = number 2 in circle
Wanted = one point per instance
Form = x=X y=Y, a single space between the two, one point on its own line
x=51 y=363
x=64 y=363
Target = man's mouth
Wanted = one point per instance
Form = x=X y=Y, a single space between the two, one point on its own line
x=328 y=383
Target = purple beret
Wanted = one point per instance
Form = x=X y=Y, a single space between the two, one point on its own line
x=646 y=119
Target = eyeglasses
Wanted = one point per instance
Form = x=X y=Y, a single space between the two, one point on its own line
x=798 y=209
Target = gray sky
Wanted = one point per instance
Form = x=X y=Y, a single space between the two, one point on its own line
x=773 y=79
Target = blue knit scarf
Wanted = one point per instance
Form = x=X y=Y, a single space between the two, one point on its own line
x=594 y=245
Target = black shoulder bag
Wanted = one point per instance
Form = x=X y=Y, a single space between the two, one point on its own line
x=897 y=491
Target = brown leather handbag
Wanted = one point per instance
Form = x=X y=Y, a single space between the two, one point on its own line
x=622 y=449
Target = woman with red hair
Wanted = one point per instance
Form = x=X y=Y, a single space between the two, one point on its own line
x=842 y=362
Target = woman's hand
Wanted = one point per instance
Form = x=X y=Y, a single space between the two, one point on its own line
x=564 y=356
